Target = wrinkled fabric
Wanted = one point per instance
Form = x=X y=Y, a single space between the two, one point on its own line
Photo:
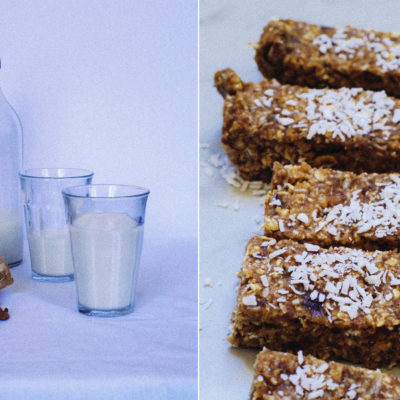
x=50 y=350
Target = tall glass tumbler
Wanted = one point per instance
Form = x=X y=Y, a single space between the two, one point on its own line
x=106 y=226
x=48 y=236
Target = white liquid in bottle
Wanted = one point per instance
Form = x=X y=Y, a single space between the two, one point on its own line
x=11 y=236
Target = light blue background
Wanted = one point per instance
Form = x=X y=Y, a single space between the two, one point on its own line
x=110 y=86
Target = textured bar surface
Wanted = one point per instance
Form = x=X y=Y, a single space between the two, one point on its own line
x=336 y=303
x=6 y=278
x=318 y=56
x=287 y=376
x=329 y=207
x=347 y=129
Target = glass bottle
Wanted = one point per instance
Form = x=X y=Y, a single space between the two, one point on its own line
x=11 y=159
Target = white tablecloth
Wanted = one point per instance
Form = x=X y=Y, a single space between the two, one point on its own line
x=50 y=350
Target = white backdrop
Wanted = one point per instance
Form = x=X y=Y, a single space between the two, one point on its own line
x=109 y=86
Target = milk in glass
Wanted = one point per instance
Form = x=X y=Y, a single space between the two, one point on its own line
x=106 y=252
x=50 y=251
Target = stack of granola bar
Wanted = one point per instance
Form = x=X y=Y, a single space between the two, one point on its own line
x=324 y=281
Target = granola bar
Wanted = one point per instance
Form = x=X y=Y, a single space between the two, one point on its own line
x=319 y=56
x=287 y=376
x=4 y=315
x=336 y=303
x=329 y=207
x=346 y=129
x=6 y=278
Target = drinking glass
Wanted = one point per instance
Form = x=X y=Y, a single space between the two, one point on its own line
x=106 y=226
x=48 y=236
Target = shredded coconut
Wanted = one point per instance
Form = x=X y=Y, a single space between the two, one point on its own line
x=343 y=43
x=257 y=254
x=275 y=202
x=342 y=113
x=303 y=218
x=322 y=368
x=209 y=172
x=309 y=381
x=277 y=253
x=264 y=280
x=311 y=247
x=351 y=394
x=283 y=121
x=381 y=215
x=268 y=242
x=209 y=304
x=250 y=300
x=221 y=163
x=396 y=116
x=332 y=230
x=345 y=280
x=300 y=357
x=260 y=192
x=281 y=299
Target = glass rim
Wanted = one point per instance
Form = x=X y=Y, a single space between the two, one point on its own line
x=37 y=173
x=140 y=191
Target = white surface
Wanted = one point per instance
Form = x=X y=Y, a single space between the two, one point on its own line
x=106 y=250
x=11 y=235
x=226 y=28
x=50 y=251
x=109 y=86
x=50 y=350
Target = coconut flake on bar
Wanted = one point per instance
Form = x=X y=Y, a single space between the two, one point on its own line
x=303 y=218
x=268 y=242
x=311 y=247
x=277 y=253
x=250 y=300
